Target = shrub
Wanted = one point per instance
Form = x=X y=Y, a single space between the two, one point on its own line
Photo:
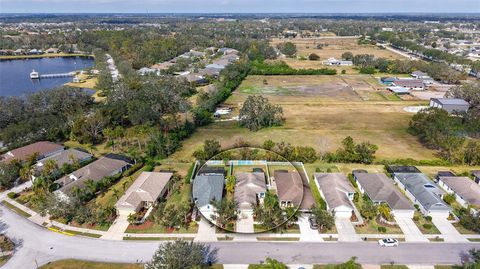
x=12 y=195
x=416 y=218
x=427 y=226
x=313 y=57
x=428 y=218
x=344 y=72
x=382 y=229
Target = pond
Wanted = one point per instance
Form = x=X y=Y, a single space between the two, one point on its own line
x=15 y=74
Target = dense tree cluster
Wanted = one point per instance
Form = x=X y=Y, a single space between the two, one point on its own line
x=287 y=48
x=350 y=152
x=257 y=113
x=183 y=254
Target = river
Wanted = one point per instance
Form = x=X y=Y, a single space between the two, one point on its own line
x=15 y=74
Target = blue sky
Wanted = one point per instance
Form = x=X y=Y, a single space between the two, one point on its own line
x=238 y=6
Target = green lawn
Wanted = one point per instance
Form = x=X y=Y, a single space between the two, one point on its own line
x=157 y=238
x=421 y=221
x=77 y=264
x=372 y=228
x=16 y=209
x=388 y=266
x=158 y=228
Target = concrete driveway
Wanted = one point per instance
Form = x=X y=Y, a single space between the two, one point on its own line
x=307 y=234
x=411 y=231
x=116 y=231
x=346 y=231
x=206 y=231
x=450 y=234
x=245 y=222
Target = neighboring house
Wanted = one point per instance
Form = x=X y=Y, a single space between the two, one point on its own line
x=337 y=192
x=146 y=71
x=381 y=189
x=289 y=187
x=387 y=80
x=144 y=192
x=399 y=90
x=108 y=165
x=412 y=84
x=215 y=66
x=194 y=78
x=423 y=192
x=420 y=75
x=467 y=192
x=52 y=50
x=333 y=61
x=476 y=176
x=402 y=169
x=43 y=149
x=65 y=157
x=250 y=189
x=207 y=187
x=450 y=104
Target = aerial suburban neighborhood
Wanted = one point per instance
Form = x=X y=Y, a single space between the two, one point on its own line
x=239 y=135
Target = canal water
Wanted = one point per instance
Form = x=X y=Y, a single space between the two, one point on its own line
x=15 y=74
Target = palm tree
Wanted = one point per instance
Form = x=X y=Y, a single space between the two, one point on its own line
x=49 y=167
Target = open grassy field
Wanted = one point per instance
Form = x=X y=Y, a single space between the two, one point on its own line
x=332 y=47
x=76 y=264
x=321 y=111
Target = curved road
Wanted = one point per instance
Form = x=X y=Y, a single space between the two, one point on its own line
x=38 y=246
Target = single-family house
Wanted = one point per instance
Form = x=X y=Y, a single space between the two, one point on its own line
x=419 y=75
x=43 y=149
x=381 y=189
x=337 y=192
x=412 y=84
x=402 y=169
x=387 y=80
x=227 y=51
x=146 y=71
x=210 y=72
x=423 y=192
x=51 y=50
x=450 y=104
x=206 y=188
x=108 y=165
x=64 y=157
x=218 y=66
x=467 y=191
x=399 y=90
x=194 y=78
x=289 y=187
x=144 y=192
x=250 y=189
x=333 y=61
x=162 y=66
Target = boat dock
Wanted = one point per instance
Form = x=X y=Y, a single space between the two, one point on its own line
x=35 y=75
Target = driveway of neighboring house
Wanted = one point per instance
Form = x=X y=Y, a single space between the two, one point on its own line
x=116 y=231
x=346 y=231
x=206 y=231
x=450 y=234
x=411 y=231
x=245 y=222
x=307 y=233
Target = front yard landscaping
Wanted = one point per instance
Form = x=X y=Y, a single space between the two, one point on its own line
x=371 y=227
x=149 y=227
x=426 y=226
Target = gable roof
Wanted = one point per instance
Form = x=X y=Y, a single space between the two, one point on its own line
x=289 y=186
x=43 y=148
x=424 y=190
x=335 y=187
x=464 y=187
x=207 y=188
x=246 y=188
x=146 y=188
x=409 y=83
x=451 y=101
x=95 y=171
x=381 y=189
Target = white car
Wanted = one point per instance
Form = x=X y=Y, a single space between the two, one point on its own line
x=388 y=242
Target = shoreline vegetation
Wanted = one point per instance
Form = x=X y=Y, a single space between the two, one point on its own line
x=45 y=55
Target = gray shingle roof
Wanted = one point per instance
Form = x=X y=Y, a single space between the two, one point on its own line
x=289 y=186
x=464 y=187
x=424 y=190
x=66 y=156
x=146 y=188
x=335 y=187
x=451 y=101
x=207 y=188
x=381 y=189
x=247 y=186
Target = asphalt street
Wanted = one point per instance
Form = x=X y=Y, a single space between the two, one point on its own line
x=38 y=246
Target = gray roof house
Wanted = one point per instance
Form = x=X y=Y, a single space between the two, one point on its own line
x=380 y=189
x=423 y=192
x=250 y=188
x=144 y=192
x=337 y=192
x=412 y=84
x=68 y=156
x=419 y=74
x=467 y=192
x=207 y=188
x=450 y=104
x=108 y=165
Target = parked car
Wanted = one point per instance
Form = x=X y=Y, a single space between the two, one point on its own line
x=313 y=223
x=388 y=242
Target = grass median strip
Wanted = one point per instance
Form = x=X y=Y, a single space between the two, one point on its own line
x=129 y=238
x=16 y=209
